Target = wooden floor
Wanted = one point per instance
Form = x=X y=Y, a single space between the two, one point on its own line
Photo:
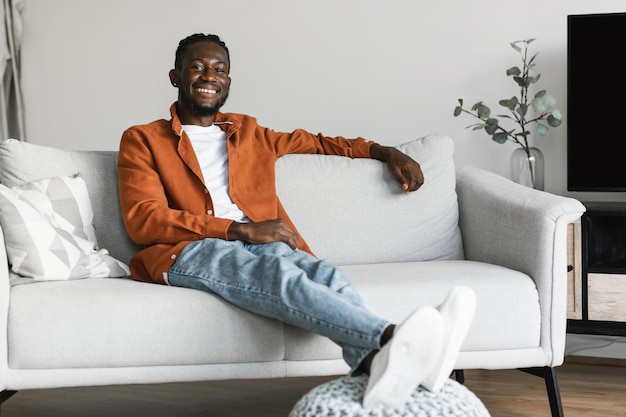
x=587 y=390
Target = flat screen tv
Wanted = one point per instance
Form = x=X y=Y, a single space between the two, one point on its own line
x=596 y=102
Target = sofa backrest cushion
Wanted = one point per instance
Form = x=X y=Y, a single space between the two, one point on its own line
x=353 y=211
x=350 y=211
x=22 y=162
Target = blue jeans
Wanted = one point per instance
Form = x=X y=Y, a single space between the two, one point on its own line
x=291 y=286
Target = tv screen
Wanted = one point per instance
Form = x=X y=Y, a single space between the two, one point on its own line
x=596 y=102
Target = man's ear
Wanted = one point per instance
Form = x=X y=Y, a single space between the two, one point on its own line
x=174 y=77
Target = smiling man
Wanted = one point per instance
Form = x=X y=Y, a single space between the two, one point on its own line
x=198 y=192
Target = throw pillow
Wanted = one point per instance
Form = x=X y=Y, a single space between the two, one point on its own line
x=49 y=232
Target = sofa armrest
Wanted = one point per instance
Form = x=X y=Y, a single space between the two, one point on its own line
x=507 y=224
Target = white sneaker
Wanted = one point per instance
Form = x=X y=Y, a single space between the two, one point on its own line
x=401 y=365
x=458 y=313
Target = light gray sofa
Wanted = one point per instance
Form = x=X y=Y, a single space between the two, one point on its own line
x=468 y=227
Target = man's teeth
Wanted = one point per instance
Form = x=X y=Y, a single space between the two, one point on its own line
x=207 y=91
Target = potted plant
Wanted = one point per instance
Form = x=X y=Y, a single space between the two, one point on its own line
x=526 y=161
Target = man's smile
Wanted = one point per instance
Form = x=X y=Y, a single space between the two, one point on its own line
x=206 y=90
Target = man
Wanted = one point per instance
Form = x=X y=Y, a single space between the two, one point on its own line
x=198 y=191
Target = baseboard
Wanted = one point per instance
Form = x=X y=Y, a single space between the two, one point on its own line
x=595 y=360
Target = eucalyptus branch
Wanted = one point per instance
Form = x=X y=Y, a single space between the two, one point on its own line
x=542 y=104
x=497 y=127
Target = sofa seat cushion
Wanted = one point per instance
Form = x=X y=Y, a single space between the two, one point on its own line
x=116 y=322
x=71 y=324
x=394 y=290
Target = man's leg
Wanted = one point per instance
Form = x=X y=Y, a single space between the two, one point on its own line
x=325 y=303
x=270 y=280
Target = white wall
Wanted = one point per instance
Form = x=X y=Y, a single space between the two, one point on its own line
x=387 y=70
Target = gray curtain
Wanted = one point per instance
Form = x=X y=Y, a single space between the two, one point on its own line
x=11 y=99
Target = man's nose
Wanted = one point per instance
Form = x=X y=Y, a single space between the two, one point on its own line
x=209 y=75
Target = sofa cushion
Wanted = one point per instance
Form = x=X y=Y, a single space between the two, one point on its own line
x=393 y=291
x=112 y=322
x=343 y=207
x=161 y=325
x=22 y=162
x=49 y=233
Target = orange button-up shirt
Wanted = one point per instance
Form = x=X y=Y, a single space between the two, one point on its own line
x=165 y=203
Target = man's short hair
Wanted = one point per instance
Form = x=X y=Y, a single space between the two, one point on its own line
x=195 y=38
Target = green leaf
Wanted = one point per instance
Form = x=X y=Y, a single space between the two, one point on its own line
x=554 y=121
x=483 y=111
x=514 y=46
x=509 y=103
x=532 y=59
x=540 y=94
x=461 y=102
x=522 y=109
x=521 y=82
x=491 y=126
x=537 y=78
x=458 y=110
x=542 y=129
x=500 y=137
x=513 y=71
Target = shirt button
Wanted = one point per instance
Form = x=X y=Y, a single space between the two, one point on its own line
x=173 y=256
x=209 y=212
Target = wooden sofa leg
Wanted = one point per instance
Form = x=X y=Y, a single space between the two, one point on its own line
x=552 y=386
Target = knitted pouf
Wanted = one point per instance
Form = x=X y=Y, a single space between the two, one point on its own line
x=342 y=398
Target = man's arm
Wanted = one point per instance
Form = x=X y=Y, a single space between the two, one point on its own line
x=406 y=170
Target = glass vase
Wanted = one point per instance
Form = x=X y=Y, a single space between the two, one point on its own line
x=527 y=167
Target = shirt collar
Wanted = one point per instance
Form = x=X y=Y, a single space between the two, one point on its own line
x=177 y=126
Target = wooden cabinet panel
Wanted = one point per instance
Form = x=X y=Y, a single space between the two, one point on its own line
x=607 y=297
x=597 y=289
x=574 y=272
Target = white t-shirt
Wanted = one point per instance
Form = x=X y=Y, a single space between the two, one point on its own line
x=209 y=143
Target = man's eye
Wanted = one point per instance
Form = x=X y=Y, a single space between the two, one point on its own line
x=198 y=67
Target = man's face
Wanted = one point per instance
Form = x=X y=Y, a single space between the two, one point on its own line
x=203 y=81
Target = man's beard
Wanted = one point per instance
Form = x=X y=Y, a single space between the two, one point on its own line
x=203 y=111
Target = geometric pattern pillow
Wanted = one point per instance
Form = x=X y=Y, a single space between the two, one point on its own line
x=49 y=231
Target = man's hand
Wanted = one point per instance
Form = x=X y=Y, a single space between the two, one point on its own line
x=406 y=170
x=264 y=232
